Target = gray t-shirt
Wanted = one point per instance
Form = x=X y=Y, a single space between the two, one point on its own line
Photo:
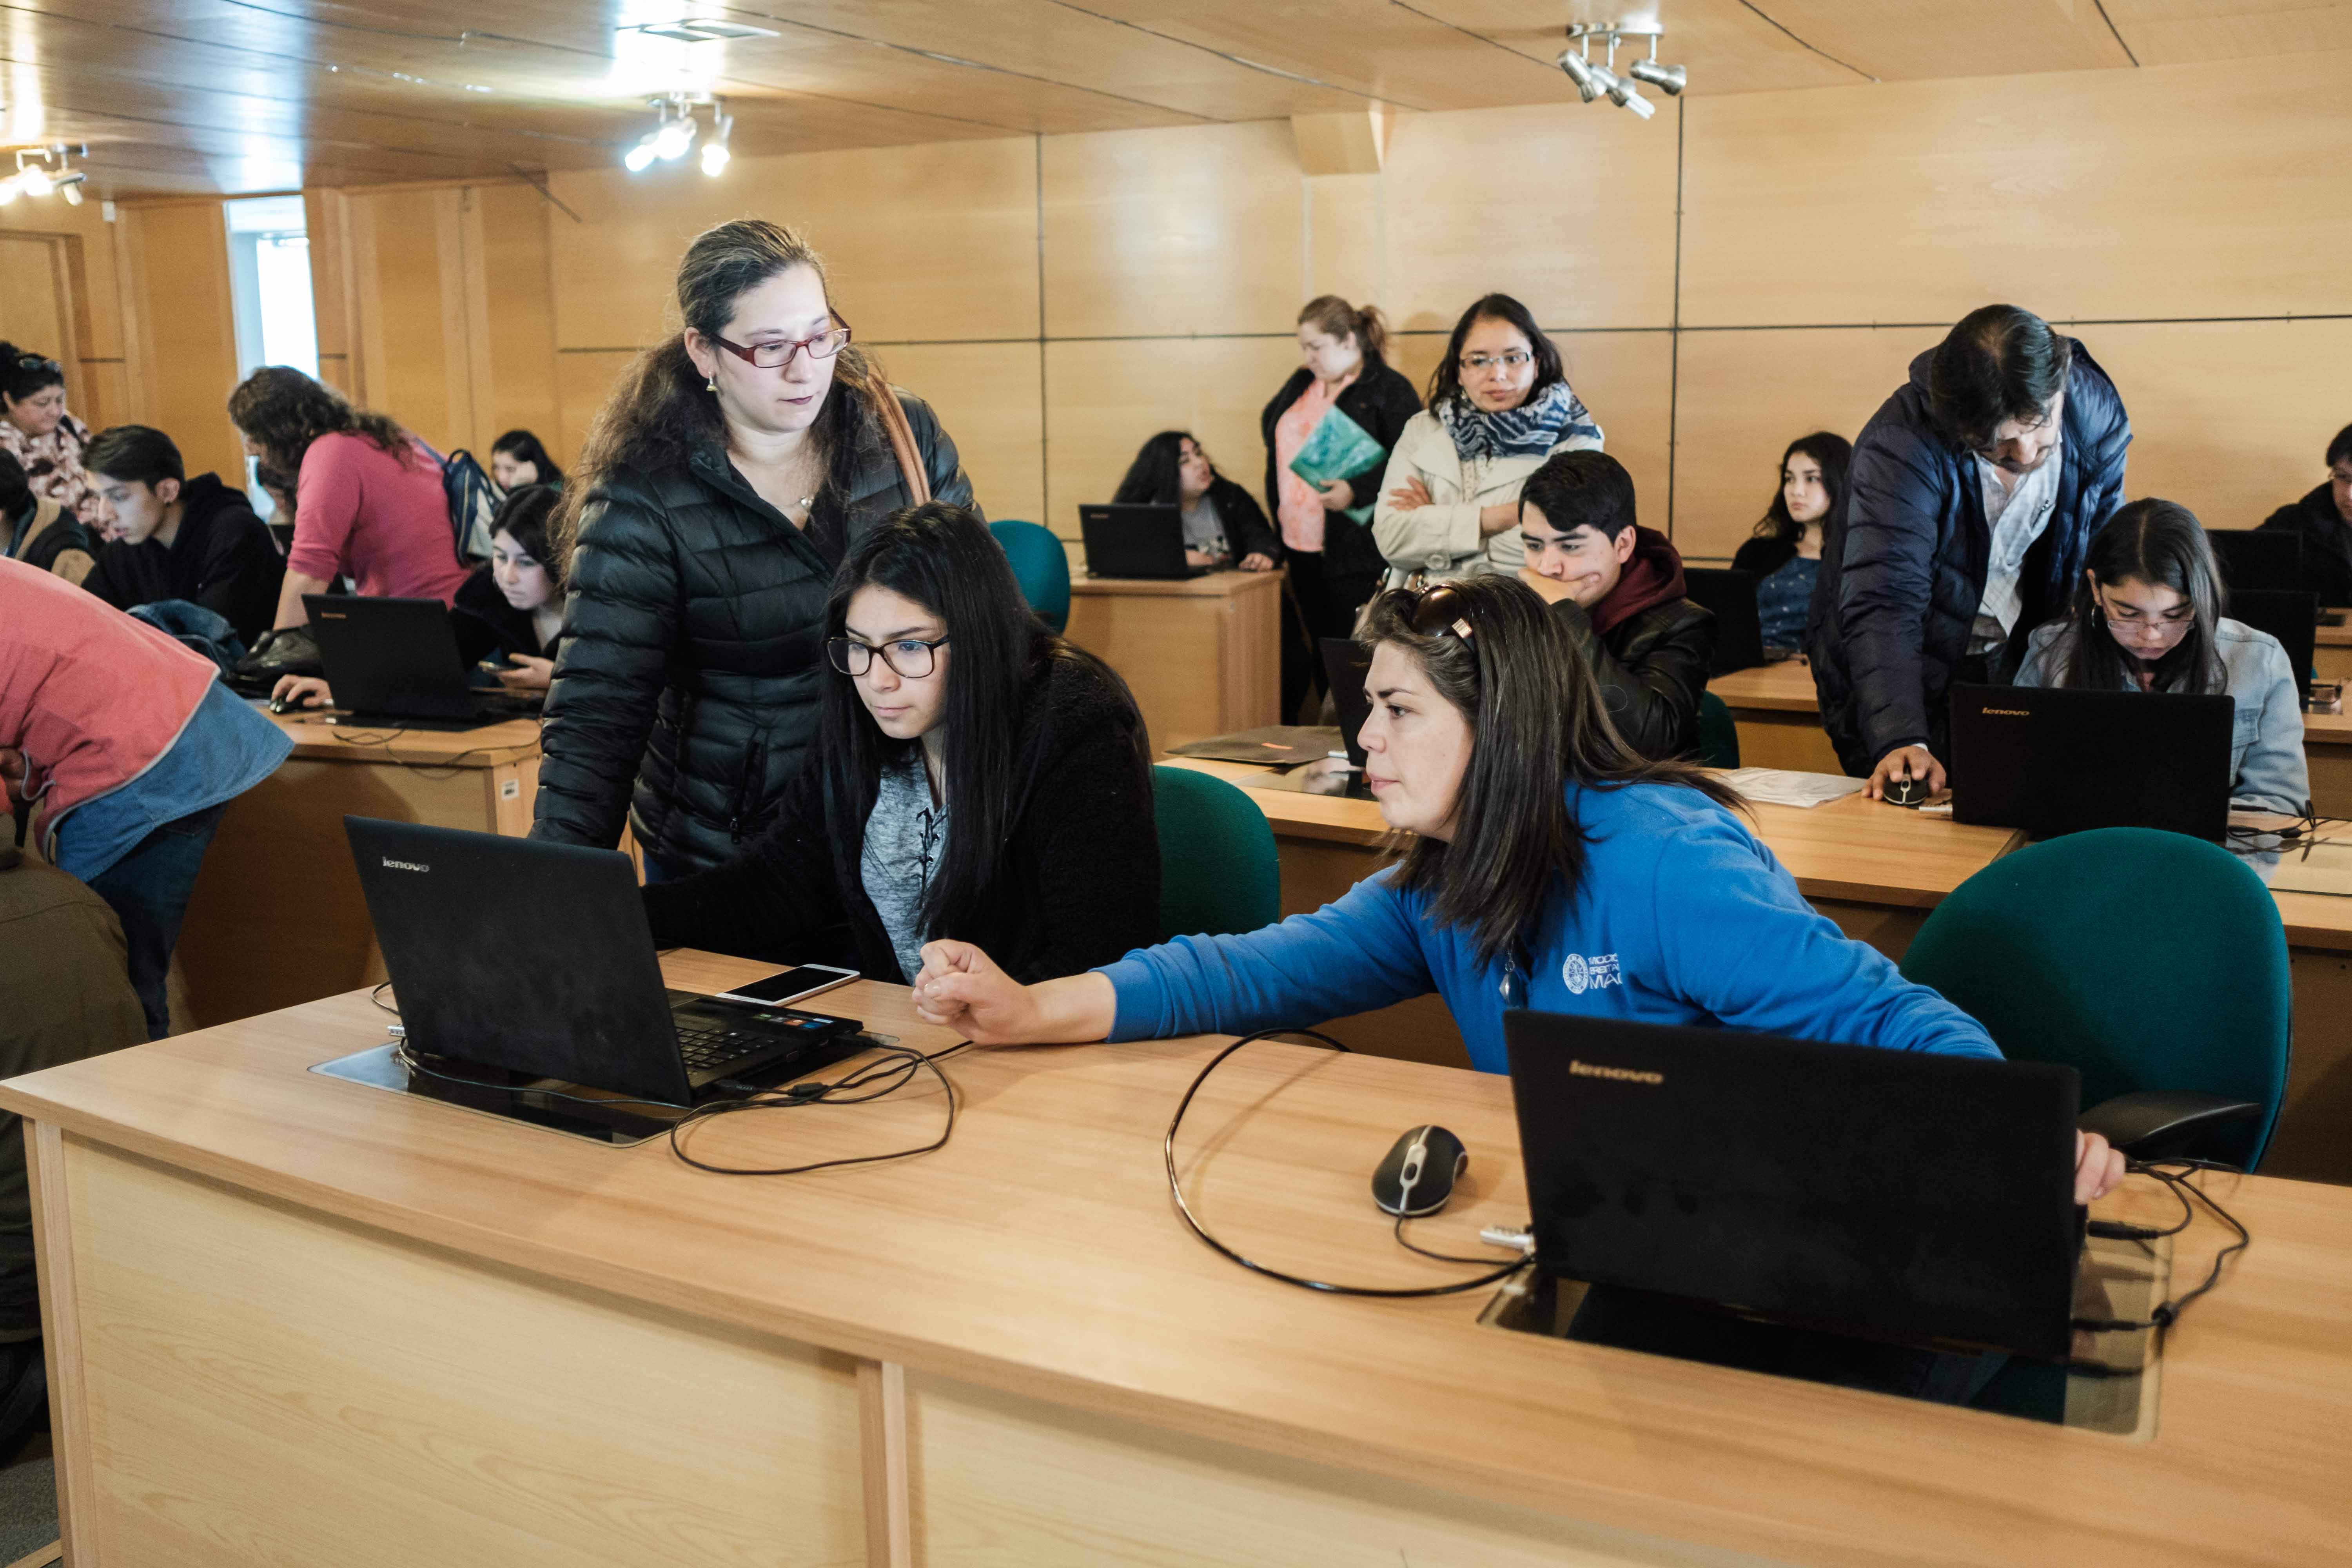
x=1205 y=530
x=905 y=836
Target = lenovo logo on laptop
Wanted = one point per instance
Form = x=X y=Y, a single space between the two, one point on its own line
x=2007 y=712
x=1621 y=1075
x=406 y=866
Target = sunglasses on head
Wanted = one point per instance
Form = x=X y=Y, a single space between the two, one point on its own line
x=1442 y=609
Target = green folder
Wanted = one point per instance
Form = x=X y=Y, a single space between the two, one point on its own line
x=1337 y=448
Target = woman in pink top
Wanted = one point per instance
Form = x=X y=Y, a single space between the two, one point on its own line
x=368 y=499
x=1326 y=538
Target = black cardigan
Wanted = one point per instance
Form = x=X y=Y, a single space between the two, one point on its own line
x=1763 y=556
x=1078 y=885
x=1380 y=400
x=2326 y=543
x=1246 y=533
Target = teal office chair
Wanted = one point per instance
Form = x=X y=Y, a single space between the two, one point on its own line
x=1218 y=872
x=2147 y=961
x=1040 y=565
x=1718 y=735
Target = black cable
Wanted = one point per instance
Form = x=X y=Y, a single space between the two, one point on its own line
x=2167 y=1313
x=1441 y=1256
x=376 y=996
x=1185 y=1210
x=448 y=767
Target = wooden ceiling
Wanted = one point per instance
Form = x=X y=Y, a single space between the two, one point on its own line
x=261 y=95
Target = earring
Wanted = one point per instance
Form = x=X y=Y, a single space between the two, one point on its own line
x=711 y=384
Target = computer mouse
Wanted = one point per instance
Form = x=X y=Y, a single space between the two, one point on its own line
x=1907 y=791
x=1419 y=1174
x=281 y=705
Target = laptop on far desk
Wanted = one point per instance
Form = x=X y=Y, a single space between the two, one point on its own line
x=393 y=664
x=2267 y=560
x=525 y=969
x=1730 y=597
x=1917 y=1199
x=2050 y=760
x=1137 y=541
x=2293 y=617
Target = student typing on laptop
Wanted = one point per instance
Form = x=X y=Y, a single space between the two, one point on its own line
x=2147 y=618
x=973 y=775
x=1553 y=868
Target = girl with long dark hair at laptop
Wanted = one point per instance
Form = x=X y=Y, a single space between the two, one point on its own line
x=1550 y=867
x=972 y=776
x=2147 y=618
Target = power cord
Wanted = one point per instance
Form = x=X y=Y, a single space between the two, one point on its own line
x=1185 y=1210
x=2166 y=1315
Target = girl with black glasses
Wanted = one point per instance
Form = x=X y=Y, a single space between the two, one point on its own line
x=972 y=776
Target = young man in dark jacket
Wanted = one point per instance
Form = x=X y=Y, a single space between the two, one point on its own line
x=1973 y=495
x=1619 y=589
x=180 y=538
x=2324 y=518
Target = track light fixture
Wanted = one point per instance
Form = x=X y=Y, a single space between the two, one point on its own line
x=46 y=171
x=677 y=129
x=1603 y=81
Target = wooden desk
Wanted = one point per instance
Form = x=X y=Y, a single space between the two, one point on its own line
x=292 y=1318
x=1779 y=718
x=1204 y=656
x=1874 y=868
x=2331 y=656
x=277 y=917
x=2328 y=752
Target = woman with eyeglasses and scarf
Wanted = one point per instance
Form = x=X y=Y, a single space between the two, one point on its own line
x=974 y=776
x=45 y=440
x=723 y=483
x=1500 y=404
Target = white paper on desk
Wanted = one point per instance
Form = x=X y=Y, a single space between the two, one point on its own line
x=1783 y=787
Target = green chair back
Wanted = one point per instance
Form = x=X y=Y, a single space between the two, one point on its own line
x=1218 y=873
x=2144 y=960
x=1040 y=565
x=1718 y=734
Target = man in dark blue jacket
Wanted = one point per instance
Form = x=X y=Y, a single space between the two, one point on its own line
x=1973 y=495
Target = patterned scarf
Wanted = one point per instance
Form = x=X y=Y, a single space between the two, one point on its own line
x=1530 y=430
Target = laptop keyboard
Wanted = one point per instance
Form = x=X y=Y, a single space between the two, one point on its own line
x=705 y=1049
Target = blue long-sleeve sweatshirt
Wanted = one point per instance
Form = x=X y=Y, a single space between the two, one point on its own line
x=1681 y=917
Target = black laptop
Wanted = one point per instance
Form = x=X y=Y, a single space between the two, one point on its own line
x=2266 y=560
x=1891 y=1194
x=393 y=663
x=535 y=958
x=1730 y=597
x=2052 y=760
x=1346 y=664
x=1143 y=541
x=2291 y=617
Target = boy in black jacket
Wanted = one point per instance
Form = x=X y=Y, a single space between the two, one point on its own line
x=180 y=538
x=1620 y=589
x=2324 y=518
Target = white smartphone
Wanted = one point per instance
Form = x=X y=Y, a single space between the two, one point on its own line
x=790 y=985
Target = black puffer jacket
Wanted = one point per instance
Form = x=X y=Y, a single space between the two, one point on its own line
x=1078 y=885
x=2326 y=543
x=1383 y=402
x=687 y=692
x=1906 y=553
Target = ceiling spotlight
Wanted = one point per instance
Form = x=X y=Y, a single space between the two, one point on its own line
x=1582 y=71
x=70 y=188
x=9 y=190
x=714 y=151
x=1668 y=79
x=640 y=157
x=675 y=137
x=1625 y=95
x=36 y=180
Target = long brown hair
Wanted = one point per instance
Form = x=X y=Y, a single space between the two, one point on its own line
x=661 y=411
x=1538 y=723
x=282 y=411
x=1335 y=317
x=2162 y=544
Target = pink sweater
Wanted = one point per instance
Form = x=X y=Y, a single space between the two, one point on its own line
x=91 y=696
x=382 y=521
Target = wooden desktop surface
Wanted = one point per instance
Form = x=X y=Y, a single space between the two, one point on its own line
x=1783 y=687
x=1223 y=584
x=315 y=739
x=1084 y=1382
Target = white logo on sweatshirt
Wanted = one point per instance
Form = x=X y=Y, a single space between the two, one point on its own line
x=1580 y=974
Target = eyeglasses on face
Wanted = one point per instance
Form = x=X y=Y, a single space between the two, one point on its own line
x=910 y=658
x=1516 y=359
x=1443 y=609
x=776 y=356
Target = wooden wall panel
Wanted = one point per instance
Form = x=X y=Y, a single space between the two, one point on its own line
x=1744 y=397
x=1567 y=206
x=2229 y=418
x=181 y=349
x=1344 y=250
x=518 y=307
x=407 y=275
x=1103 y=399
x=582 y=381
x=1160 y=232
x=2177 y=191
x=987 y=396
x=921 y=243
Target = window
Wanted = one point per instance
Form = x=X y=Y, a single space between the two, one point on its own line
x=269 y=285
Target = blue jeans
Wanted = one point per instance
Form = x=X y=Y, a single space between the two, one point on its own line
x=148 y=888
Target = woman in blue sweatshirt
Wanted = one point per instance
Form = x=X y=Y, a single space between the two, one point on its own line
x=1551 y=868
